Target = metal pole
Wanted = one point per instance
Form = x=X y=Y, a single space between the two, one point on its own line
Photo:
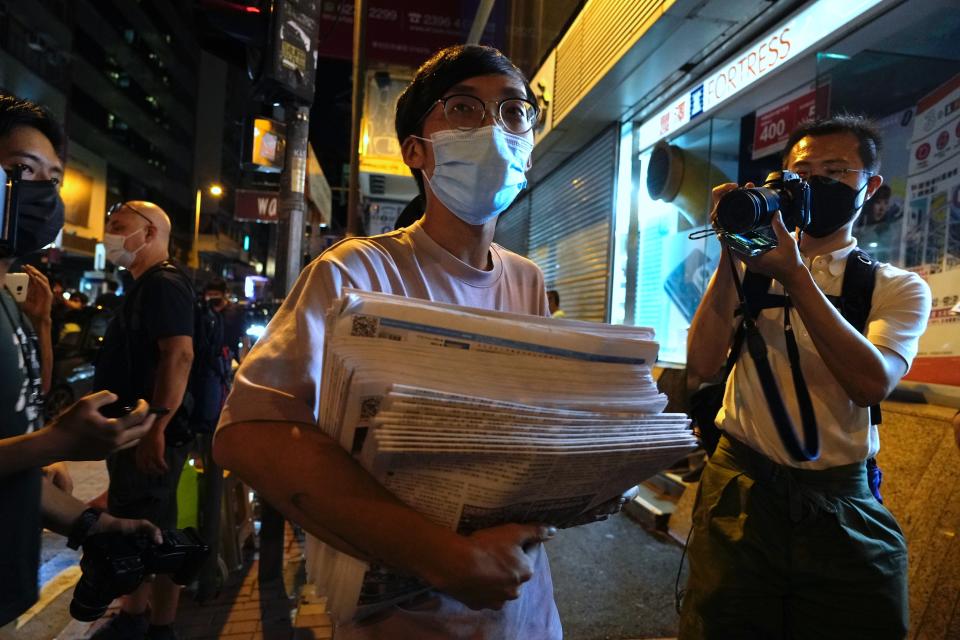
x=480 y=21
x=292 y=206
x=210 y=507
x=291 y=202
x=359 y=80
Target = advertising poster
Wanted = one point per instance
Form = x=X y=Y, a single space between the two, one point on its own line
x=776 y=121
x=930 y=243
x=381 y=216
x=879 y=228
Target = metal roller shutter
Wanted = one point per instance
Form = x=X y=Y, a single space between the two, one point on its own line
x=513 y=227
x=571 y=212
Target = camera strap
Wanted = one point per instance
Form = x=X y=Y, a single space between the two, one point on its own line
x=809 y=449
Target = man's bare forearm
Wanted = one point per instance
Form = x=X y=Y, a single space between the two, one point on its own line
x=28 y=451
x=59 y=510
x=315 y=483
x=173 y=372
x=711 y=330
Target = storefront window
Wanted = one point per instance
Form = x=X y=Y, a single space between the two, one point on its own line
x=902 y=71
x=624 y=226
x=667 y=273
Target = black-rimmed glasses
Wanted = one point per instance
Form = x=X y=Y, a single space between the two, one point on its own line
x=836 y=174
x=466 y=112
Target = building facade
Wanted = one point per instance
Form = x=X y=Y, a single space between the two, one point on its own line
x=651 y=104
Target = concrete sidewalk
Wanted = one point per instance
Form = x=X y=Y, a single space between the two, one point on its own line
x=613 y=581
x=246 y=608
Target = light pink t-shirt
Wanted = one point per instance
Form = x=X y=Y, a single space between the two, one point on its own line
x=280 y=381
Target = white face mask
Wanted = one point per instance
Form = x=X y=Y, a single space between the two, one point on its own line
x=117 y=253
x=478 y=173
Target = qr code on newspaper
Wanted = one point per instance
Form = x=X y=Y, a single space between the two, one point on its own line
x=370 y=407
x=365 y=326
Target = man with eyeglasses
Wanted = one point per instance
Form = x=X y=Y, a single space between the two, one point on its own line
x=147 y=352
x=465 y=128
x=782 y=548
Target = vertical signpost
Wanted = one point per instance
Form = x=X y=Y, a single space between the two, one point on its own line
x=290 y=72
x=291 y=203
x=359 y=73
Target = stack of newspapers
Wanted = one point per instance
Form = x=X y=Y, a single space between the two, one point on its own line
x=477 y=418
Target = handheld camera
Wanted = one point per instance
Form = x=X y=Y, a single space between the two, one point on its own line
x=114 y=564
x=744 y=215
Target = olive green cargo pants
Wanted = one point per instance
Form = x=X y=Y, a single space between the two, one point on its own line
x=778 y=552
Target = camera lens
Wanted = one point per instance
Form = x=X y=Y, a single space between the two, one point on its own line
x=88 y=603
x=738 y=211
x=742 y=210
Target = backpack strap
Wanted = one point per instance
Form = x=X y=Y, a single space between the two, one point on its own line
x=856 y=293
x=132 y=312
x=856 y=298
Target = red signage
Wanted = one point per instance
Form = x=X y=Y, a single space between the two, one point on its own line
x=405 y=31
x=776 y=122
x=257 y=206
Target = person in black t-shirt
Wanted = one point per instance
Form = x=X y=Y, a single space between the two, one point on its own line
x=147 y=351
x=31 y=146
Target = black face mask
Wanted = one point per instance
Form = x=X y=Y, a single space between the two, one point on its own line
x=832 y=205
x=38 y=211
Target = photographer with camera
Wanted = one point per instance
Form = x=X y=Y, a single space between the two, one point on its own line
x=789 y=537
x=30 y=154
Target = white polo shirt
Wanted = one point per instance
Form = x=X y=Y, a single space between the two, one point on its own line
x=898 y=316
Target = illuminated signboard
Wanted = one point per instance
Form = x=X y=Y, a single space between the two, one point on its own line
x=269 y=144
x=257 y=206
x=791 y=39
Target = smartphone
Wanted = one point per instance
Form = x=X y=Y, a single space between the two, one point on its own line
x=16 y=284
x=158 y=411
x=751 y=243
x=115 y=410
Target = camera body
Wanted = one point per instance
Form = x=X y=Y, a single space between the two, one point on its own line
x=114 y=564
x=744 y=215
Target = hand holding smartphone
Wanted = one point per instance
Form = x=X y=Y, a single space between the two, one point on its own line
x=17 y=284
x=118 y=410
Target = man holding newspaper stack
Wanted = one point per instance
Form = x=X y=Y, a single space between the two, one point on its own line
x=465 y=125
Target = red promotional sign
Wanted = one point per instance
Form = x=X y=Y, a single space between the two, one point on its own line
x=405 y=31
x=775 y=122
x=257 y=206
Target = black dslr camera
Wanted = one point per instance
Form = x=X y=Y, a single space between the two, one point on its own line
x=744 y=215
x=114 y=564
